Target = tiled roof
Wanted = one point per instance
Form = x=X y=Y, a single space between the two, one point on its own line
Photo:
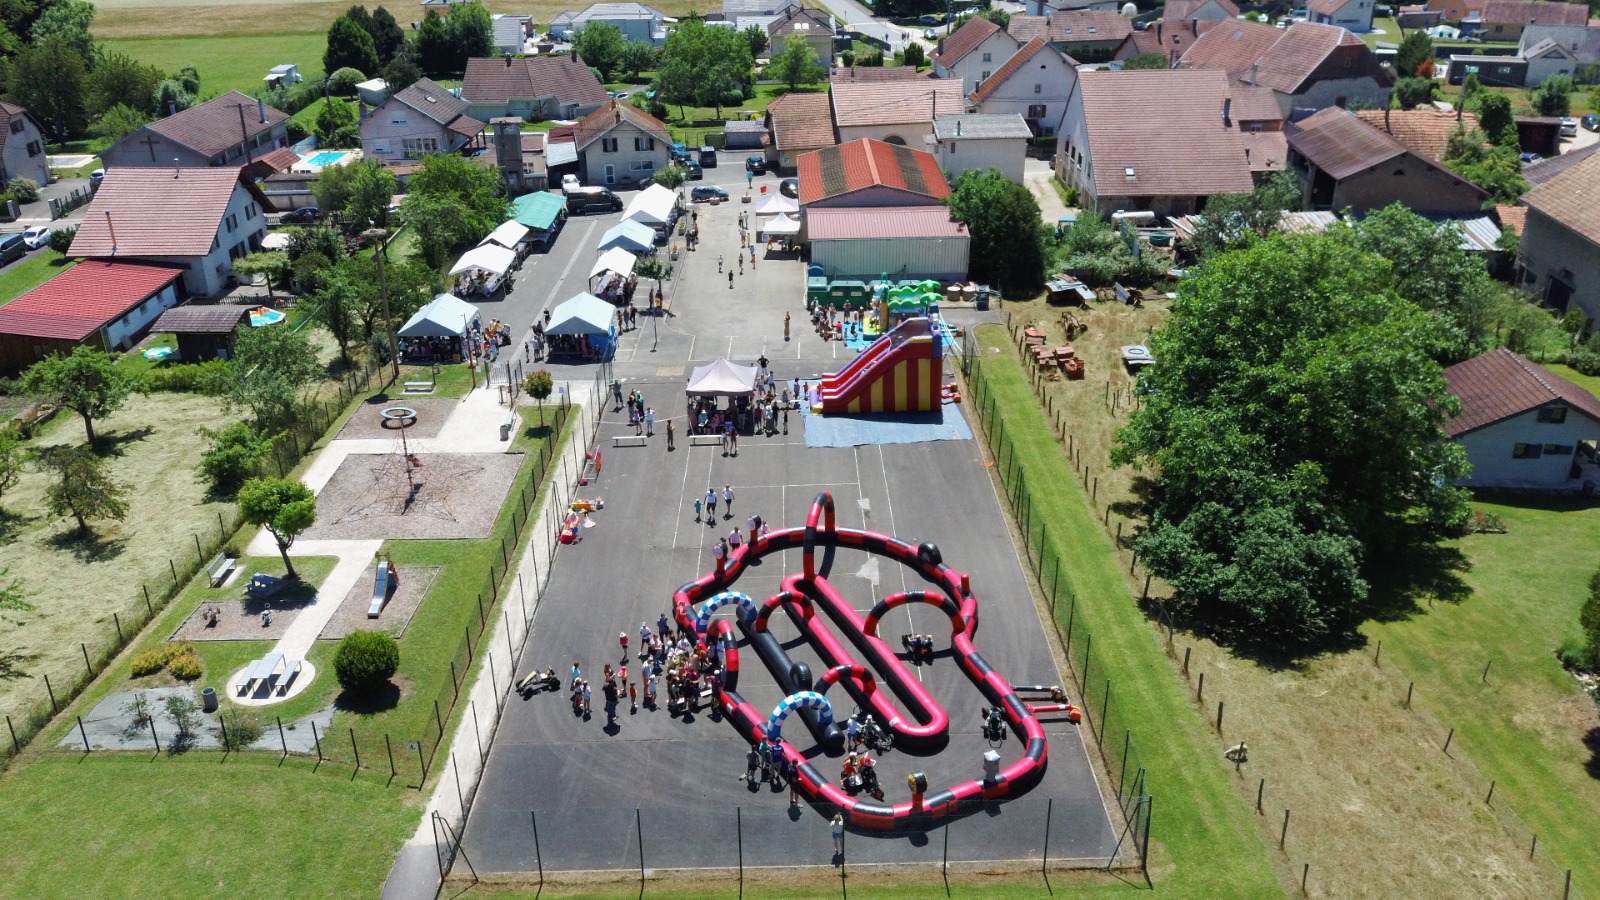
x=884 y=223
x=74 y=304
x=866 y=163
x=802 y=121
x=494 y=80
x=1074 y=26
x=1177 y=145
x=433 y=100
x=1178 y=10
x=1326 y=7
x=1524 y=12
x=9 y=111
x=896 y=102
x=157 y=212
x=1512 y=218
x=1424 y=132
x=964 y=40
x=611 y=114
x=219 y=319
x=872 y=74
x=977 y=126
x=1255 y=103
x=1292 y=59
x=1545 y=169
x=1341 y=144
x=800 y=21
x=213 y=126
x=1166 y=38
x=1232 y=47
x=279 y=160
x=1500 y=384
x=1572 y=198
x=1028 y=51
x=612 y=11
x=1268 y=151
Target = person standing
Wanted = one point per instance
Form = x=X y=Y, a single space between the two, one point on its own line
x=616 y=393
x=727 y=499
x=588 y=699
x=730 y=279
x=719 y=552
x=650 y=686
x=786 y=418
x=711 y=504
x=650 y=422
x=786 y=326
x=669 y=434
x=664 y=625
x=837 y=827
x=719 y=263
x=735 y=538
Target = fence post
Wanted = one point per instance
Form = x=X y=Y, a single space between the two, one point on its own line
x=118 y=622
x=147 y=604
x=317 y=739
x=1049 y=809
x=86 y=664
x=638 y=827
x=282 y=738
x=1105 y=706
x=85 y=735
x=16 y=745
x=53 y=707
x=1284 y=836
x=354 y=748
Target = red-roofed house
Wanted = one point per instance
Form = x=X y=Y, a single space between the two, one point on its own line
x=230 y=130
x=1034 y=83
x=198 y=220
x=973 y=52
x=1085 y=35
x=533 y=87
x=1194 y=10
x=898 y=112
x=1522 y=426
x=1310 y=66
x=1503 y=20
x=104 y=304
x=619 y=143
x=1345 y=162
x=796 y=124
x=868 y=173
x=423 y=119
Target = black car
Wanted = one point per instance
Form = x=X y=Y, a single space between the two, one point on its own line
x=707 y=192
x=790 y=187
x=693 y=168
x=305 y=215
x=1591 y=122
x=13 y=248
x=756 y=165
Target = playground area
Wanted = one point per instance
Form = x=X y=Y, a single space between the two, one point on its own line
x=368 y=421
x=675 y=775
x=443 y=495
x=354 y=614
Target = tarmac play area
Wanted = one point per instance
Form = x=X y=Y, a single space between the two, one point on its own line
x=596 y=791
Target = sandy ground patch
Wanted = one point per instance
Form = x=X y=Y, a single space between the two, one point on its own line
x=458 y=496
x=415 y=581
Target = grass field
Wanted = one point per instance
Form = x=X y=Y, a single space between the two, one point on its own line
x=1394 y=810
x=226 y=60
x=30 y=273
x=77 y=583
x=1204 y=843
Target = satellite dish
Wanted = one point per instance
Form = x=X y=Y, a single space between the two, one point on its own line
x=1129 y=11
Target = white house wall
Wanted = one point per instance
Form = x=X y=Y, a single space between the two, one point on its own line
x=1490 y=450
x=984 y=60
x=1005 y=154
x=943 y=259
x=1045 y=80
x=134 y=321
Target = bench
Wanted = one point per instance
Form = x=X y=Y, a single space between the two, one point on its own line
x=507 y=425
x=702 y=440
x=219 y=569
x=291 y=668
x=421 y=387
x=629 y=440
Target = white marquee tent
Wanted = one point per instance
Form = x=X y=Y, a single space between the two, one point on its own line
x=444 y=316
x=629 y=235
x=781 y=225
x=722 y=379
x=652 y=206
x=615 y=260
x=778 y=204
x=508 y=235
x=489 y=258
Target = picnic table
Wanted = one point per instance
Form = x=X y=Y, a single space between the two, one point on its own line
x=258 y=671
x=262 y=586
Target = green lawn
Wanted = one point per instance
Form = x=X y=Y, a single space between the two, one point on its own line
x=226 y=62
x=308 y=117
x=1204 y=840
x=1528 y=726
x=30 y=273
x=1387 y=31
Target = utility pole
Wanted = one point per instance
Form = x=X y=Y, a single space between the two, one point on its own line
x=380 y=239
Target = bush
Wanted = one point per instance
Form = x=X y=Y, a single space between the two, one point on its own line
x=343 y=82
x=365 y=661
x=1573 y=653
x=149 y=662
x=242 y=730
x=187 y=377
x=1585 y=360
x=186 y=667
x=61 y=240
x=296 y=131
x=235 y=456
x=23 y=190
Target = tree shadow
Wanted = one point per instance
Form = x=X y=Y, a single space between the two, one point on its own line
x=87 y=545
x=1407 y=574
x=1591 y=739
x=380 y=699
x=115 y=443
x=11 y=524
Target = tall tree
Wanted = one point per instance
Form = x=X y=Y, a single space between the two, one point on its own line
x=349 y=46
x=70 y=20
x=1297 y=412
x=1496 y=169
x=283 y=506
x=51 y=80
x=1232 y=221
x=756 y=37
x=637 y=56
x=1496 y=120
x=86 y=381
x=433 y=45
x=451 y=202
x=402 y=71
x=1006 y=228
x=121 y=80
x=795 y=64
x=601 y=45
x=371 y=192
x=471 y=32
x=82 y=489
x=1415 y=50
x=387 y=35
x=335 y=309
x=708 y=64
x=270 y=367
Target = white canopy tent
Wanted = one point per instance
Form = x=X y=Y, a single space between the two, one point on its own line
x=582 y=314
x=652 y=206
x=629 y=235
x=489 y=258
x=778 y=204
x=615 y=260
x=782 y=226
x=508 y=235
x=444 y=316
x=722 y=379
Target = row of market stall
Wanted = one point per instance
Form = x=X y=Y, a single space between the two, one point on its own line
x=487 y=268
x=582 y=328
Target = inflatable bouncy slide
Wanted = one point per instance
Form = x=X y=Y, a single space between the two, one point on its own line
x=895 y=696
x=899 y=372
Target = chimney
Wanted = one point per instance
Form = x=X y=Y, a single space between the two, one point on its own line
x=508 y=60
x=113 y=229
x=1227 y=109
x=958 y=128
x=261 y=110
x=1253 y=69
x=176 y=170
x=1386 y=120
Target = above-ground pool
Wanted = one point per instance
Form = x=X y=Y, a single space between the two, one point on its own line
x=327 y=158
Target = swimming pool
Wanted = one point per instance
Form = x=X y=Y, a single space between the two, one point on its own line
x=326 y=158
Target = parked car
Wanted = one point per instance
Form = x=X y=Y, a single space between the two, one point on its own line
x=696 y=172
x=12 y=248
x=679 y=152
x=569 y=183
x=930 y=35
x=790 y=187
x=1530 y=158
x=1569 y=127
x=703 y=192
x=37 y=236
x=305 y=215
x=596 y=199
x=756 y=165
x=708 y=157
x=1591 y=122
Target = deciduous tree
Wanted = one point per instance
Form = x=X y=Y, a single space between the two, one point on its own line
x=270 y=367
x=795 y=64
x=471 y=32
x=283 y=506
x=1236 y=220
x=86 y=381
x=1006 y=228
x=51 y=80
x=1416 y=49
x=1553 y=97
x=83 y=488
x=121 y=80
x=601 y=45
x=349 y=46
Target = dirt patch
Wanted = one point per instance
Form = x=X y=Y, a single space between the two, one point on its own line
x=415 y=581
x=457 y=495
x=367 y=421
x=237 y=620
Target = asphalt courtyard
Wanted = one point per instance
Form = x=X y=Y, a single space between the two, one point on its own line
x=595 y=791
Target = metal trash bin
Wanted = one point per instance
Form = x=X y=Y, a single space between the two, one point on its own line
x=983 y=298
x=208 y=700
